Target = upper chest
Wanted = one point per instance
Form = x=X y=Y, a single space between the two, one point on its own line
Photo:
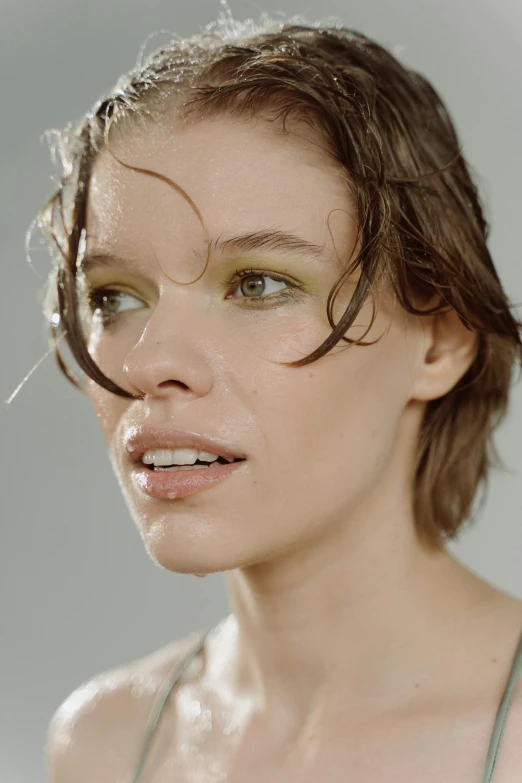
x=424 y=749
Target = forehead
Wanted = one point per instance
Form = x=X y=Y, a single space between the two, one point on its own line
x=241 y=175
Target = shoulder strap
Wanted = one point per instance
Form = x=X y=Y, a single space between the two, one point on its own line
x=502 y=713
x=169 y=683
x=161 y=698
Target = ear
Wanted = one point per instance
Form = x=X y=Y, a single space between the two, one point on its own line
x=448 y=349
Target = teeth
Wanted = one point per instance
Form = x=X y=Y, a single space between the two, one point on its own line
x=178 y=457
x=181 y=467
x=207 y=456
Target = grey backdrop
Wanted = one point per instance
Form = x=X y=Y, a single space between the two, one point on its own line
x=77 y=588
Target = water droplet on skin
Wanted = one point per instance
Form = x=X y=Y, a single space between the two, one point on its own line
x=137 y=690
x=92 y=695
x=112 y=682
x=92 y=689
x=84 y=698
x=194 y=667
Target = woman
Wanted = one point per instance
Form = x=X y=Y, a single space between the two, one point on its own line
x=272 y=267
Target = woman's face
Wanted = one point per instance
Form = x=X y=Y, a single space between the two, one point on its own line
x=318 y=439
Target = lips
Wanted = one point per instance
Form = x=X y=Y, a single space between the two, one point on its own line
x=182 y=484
x=138 y=440
x=177 y=485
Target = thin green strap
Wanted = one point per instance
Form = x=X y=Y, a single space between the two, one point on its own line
x=501 y=714
x=160 y=700
x=168 y=684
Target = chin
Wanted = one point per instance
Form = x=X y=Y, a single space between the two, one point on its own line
x=190 y=557
x=196 y=566
x=192 y=544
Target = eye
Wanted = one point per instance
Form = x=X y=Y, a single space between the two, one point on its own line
x=251 y=284
x=103 y=303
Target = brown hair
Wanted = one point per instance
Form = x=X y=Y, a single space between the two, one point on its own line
x=419 y=215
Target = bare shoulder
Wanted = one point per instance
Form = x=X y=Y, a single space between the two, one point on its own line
x=507 y=635
x=97 y=731
x=509 y=762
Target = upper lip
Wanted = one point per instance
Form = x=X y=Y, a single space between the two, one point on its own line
x=139 y=439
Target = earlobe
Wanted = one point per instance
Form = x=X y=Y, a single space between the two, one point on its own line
x=450 y=351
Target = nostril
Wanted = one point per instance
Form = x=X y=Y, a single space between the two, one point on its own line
x=168 y=384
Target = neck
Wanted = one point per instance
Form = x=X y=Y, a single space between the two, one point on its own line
x=359 y=618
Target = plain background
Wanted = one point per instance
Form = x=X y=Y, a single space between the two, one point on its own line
x=78 y=592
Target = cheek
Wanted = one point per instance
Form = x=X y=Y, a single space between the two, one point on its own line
x=258 y=345
x=331 y=426
x=108 y=407
x=109 y=348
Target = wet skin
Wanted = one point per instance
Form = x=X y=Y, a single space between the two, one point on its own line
x=343 y=624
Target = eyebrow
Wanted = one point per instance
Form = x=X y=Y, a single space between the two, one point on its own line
x=266 y=239
x=269 y=239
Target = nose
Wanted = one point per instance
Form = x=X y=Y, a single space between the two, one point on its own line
x=171 y=356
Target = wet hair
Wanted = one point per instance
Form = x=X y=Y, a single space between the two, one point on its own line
x=419 y=215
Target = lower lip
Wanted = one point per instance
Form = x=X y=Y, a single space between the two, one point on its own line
x=181 y=483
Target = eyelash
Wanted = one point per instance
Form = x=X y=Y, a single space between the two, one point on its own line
x=240 y=274
x=96 y=295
